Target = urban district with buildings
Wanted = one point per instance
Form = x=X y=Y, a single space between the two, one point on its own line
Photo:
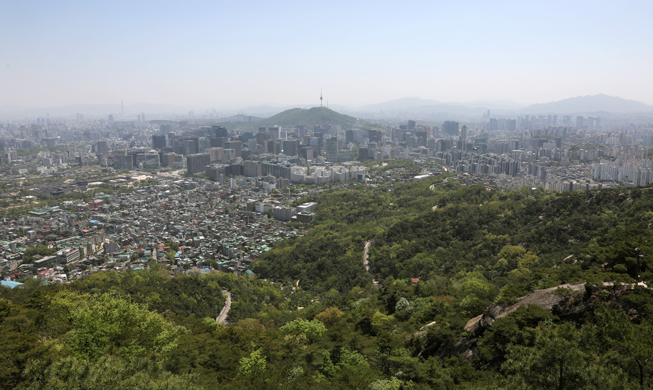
x=83 y=196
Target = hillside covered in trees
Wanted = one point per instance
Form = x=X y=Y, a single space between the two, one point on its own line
x=310 y=117
x=453 y=264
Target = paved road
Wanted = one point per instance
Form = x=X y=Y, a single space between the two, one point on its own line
x=221 y=319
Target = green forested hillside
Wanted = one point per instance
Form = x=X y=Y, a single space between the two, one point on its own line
x=442 y=254
x=310 y=117
x=433 y=229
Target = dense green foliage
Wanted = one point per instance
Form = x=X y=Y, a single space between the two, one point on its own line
x=181 y=296
x=430 y=228
x=41 y=250
x=310 y=117
x=442 y=254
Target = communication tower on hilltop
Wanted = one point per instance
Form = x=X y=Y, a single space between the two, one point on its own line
x=320 y=98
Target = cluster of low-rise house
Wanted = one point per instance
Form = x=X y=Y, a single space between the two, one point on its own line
x=189 y=226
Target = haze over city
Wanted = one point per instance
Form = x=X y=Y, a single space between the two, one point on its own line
x=234 y=55
x=281 y=195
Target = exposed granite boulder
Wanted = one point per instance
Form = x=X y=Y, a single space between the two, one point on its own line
x=544 y=298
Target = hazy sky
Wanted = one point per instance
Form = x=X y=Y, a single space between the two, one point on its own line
x=236 y=53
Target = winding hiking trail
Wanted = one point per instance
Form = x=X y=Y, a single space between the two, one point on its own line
x=221 y=319
x=366 y=262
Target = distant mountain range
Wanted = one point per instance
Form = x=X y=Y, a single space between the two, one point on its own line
x=409 y=106
x=581 y=104
x=416 y=103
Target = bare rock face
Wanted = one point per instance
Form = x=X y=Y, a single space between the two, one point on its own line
x=544 y=298
x=473 y=325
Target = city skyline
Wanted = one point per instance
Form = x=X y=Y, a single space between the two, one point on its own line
x=414 y=107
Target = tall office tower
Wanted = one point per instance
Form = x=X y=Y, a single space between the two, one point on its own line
x=142 y=116
x=110 y=117
x=375 y=136
x=579 y=122
x=217 y=142
x=196 y=163
x=204 y=143
x=290 y=147
x=262 y=137
x=215 y=154
x=220 y=132
x=192 y=145
x=274 y=132
x=237 y=146
x=411 y=124
x=122 y=160
x=306 y=152
x=450 y=128
x=332 y=149
x=488 y=114
x=555 y=120
x=364 y=154
x=349 y=136
x=101 y=147
x=158 y=141
x=590 y=123
x=167 y=159
x=463 y=134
